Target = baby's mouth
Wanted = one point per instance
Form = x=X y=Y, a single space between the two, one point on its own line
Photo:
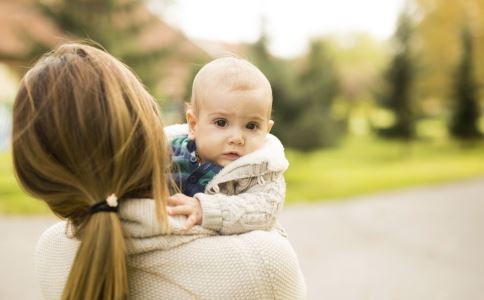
x=231 y=155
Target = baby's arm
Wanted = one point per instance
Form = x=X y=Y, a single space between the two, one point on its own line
x=255 y=209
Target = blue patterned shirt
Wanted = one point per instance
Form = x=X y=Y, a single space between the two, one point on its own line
x=189 y=174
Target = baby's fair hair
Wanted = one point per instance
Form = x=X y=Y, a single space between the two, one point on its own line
x=231 y=74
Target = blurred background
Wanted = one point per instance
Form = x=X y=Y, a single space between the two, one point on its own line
x=368 y=95
x=377 y=101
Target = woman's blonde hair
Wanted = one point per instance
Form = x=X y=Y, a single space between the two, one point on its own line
x=85 y=128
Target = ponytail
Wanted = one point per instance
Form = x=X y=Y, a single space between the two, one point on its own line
x=83 y=127
x=99 y=270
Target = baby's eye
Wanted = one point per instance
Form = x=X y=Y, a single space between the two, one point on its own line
x=252 y=126
x=221 y=122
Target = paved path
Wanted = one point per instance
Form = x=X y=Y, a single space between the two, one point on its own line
x=17 y=244
x=423 y=243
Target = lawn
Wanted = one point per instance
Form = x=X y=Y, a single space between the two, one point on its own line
x=12 y=199
x=363 y=166
x=359 y=166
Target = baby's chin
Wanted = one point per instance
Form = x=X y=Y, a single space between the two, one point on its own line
x=226 y=160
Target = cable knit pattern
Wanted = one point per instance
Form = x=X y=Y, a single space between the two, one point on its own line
x=184 y=265
x=256 y=208
x=248 y=193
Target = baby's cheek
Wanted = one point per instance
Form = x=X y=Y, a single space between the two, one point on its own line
x=257 y=143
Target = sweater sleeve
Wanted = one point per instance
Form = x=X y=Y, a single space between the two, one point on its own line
x=255 y=209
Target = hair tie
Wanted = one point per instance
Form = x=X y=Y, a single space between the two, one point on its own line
x=110 y=205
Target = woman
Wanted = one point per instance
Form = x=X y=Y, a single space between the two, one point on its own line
x=88 y=140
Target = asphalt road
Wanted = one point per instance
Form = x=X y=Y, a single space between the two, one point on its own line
x=422 y=243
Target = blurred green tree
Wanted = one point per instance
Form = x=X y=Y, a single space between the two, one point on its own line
x=465 y=108
x=118 y=26
x=360 y=61
x=439 y=38
x=282 y=79
x=302 y=99
x=319 y=84
x=399 y=79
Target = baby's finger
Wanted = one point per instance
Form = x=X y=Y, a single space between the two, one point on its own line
x=180 y=210
x=174 y=200
x=189 y=223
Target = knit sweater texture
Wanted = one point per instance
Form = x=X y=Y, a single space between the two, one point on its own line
x=185 y=265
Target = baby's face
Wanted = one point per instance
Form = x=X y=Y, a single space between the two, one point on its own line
x=230 y=124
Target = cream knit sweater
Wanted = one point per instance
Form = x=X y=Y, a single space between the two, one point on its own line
x=193 y=265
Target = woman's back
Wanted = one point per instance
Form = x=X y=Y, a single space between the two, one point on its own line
x=256 y=265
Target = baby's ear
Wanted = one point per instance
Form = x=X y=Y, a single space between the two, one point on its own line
x=269 y=125
x=192 y=123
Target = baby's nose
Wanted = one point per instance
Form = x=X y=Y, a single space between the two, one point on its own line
x=237 y=138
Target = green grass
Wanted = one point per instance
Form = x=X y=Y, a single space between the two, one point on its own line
x=12 y=199
x=359 y=166
x=367 y=166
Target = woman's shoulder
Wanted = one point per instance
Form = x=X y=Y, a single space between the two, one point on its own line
x=55 y=238
x=210 y=267
x=54 y=255
x=253 y=265
x=279 y=260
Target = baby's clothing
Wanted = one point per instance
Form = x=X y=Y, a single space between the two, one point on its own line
x=248 y=193
x=190 y=176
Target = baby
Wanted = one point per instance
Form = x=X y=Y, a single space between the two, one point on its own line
x=226 y=163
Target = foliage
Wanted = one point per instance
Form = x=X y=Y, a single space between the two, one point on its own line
x=283 y=83
x=117 y=25
x=399 y=77
x=303 y=99
x=465 y=112
x=439 y=32
x=319 y=84
x=359 y=59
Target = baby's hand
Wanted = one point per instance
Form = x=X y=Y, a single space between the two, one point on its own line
x=180 y=204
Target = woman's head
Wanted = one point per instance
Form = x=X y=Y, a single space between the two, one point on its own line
x=85 y=128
